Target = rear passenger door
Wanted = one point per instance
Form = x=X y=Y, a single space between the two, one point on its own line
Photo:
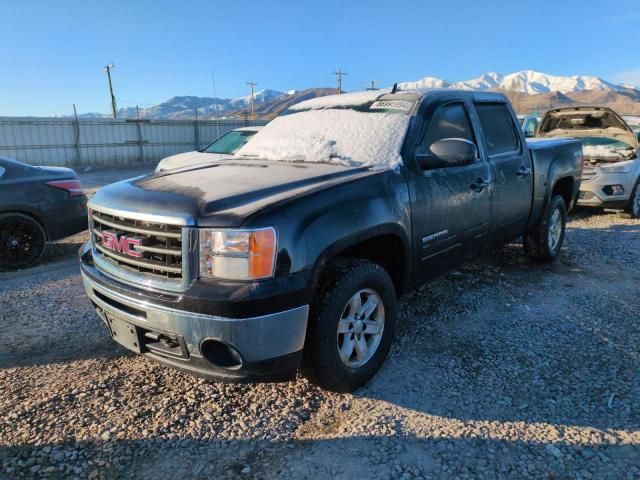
x=511 y=164
x=450 y=206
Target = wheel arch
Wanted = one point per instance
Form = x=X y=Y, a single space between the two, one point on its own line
x=29 y=213
x=385 y=245
x=564 y=187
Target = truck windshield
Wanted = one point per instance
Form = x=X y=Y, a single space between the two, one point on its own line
x=352 y=129
x=229 y=143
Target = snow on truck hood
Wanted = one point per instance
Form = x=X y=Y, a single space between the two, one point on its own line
x=354 y=129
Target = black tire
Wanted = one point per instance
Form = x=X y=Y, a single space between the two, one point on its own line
x=538 y=245
x=22 y=241
x=633 y=209
x=342 y=279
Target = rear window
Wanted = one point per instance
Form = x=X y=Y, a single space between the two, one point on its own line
x=498 y=128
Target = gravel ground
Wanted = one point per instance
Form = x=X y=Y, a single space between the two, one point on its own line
x=502 y=369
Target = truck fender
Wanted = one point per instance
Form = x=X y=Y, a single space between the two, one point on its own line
x=350 y=242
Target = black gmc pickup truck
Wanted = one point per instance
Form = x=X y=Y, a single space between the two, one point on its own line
x=293 y=253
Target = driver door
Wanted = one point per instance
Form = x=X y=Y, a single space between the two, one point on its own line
x=450 y=205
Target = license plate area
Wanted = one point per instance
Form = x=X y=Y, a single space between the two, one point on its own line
x=124 y=333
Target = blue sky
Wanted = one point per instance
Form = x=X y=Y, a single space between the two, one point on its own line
x=52 y=54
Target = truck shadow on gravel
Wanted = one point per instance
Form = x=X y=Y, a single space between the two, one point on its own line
x=353 y=457
x=506 y=340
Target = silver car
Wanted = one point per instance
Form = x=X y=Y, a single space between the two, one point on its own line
x=225 y=145
x=611 y=173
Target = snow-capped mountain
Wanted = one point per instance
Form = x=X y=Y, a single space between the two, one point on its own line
x=526 y=81
x=565 y=90
x=261 y=96
x=426 y=82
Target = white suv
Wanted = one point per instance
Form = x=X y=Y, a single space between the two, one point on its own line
x=224 y=146
x=611 y=175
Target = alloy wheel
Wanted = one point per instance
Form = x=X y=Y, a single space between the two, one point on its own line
x=555 y=229
x=360 y=328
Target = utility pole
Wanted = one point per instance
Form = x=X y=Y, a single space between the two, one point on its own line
x=372 y=85
x=216 y=110
x=113 y=97
x=253 y=108
x=339 y=74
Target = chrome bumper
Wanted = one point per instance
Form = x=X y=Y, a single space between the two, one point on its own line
x=256 y=339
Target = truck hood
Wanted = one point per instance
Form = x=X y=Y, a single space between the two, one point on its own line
x=221 y=194
x=587 y=122
x=188 y=159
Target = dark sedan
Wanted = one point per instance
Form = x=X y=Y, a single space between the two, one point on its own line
x=37 y=205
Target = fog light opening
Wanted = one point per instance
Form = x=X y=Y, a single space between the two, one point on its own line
x=219 y=354
x=613 y=190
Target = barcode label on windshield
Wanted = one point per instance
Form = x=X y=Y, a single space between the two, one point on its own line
x=401 y=105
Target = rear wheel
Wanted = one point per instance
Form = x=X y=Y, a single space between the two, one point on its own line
x=22 y=241
x=352 y=325
x=544 y=241
x=633 y=209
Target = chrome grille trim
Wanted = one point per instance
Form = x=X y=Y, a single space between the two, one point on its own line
x=588 y=172
x=134 y=229
x=137 y=263
x=166 y=261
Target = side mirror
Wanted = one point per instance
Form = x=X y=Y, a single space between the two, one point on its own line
x=449 y=152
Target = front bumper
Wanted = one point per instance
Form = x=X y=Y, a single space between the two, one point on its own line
x=593 y=195
x=268 y=346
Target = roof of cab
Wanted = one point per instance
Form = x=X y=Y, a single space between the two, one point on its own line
x=359 y=98
x=477 y=95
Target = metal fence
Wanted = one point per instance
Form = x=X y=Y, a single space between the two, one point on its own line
x=105 y=142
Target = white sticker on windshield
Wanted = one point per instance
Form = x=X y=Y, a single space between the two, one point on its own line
x=401 y=105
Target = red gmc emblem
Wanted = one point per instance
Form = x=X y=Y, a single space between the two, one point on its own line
x=122 y=244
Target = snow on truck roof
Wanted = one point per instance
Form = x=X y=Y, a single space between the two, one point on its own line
x=352 y=129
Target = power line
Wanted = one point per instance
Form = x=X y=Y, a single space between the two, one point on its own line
x=372 y=85
x=113 y=97
x=339 y=74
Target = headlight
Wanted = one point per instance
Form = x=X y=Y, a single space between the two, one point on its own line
x=619 y=167
x=237 y=254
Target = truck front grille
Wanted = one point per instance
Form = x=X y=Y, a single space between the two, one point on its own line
x=154 y=249
x=588 y=172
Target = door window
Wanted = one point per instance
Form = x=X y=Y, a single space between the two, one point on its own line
x=499 y=130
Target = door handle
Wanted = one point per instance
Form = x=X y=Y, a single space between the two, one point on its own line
x=479 y=185
x=524 y=171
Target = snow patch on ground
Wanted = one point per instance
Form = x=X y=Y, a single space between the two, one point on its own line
x=338 y=136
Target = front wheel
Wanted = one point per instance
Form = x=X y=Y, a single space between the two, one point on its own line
x=22 y=241
x=544 y=241
x=352 y=325
x=633 y=209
